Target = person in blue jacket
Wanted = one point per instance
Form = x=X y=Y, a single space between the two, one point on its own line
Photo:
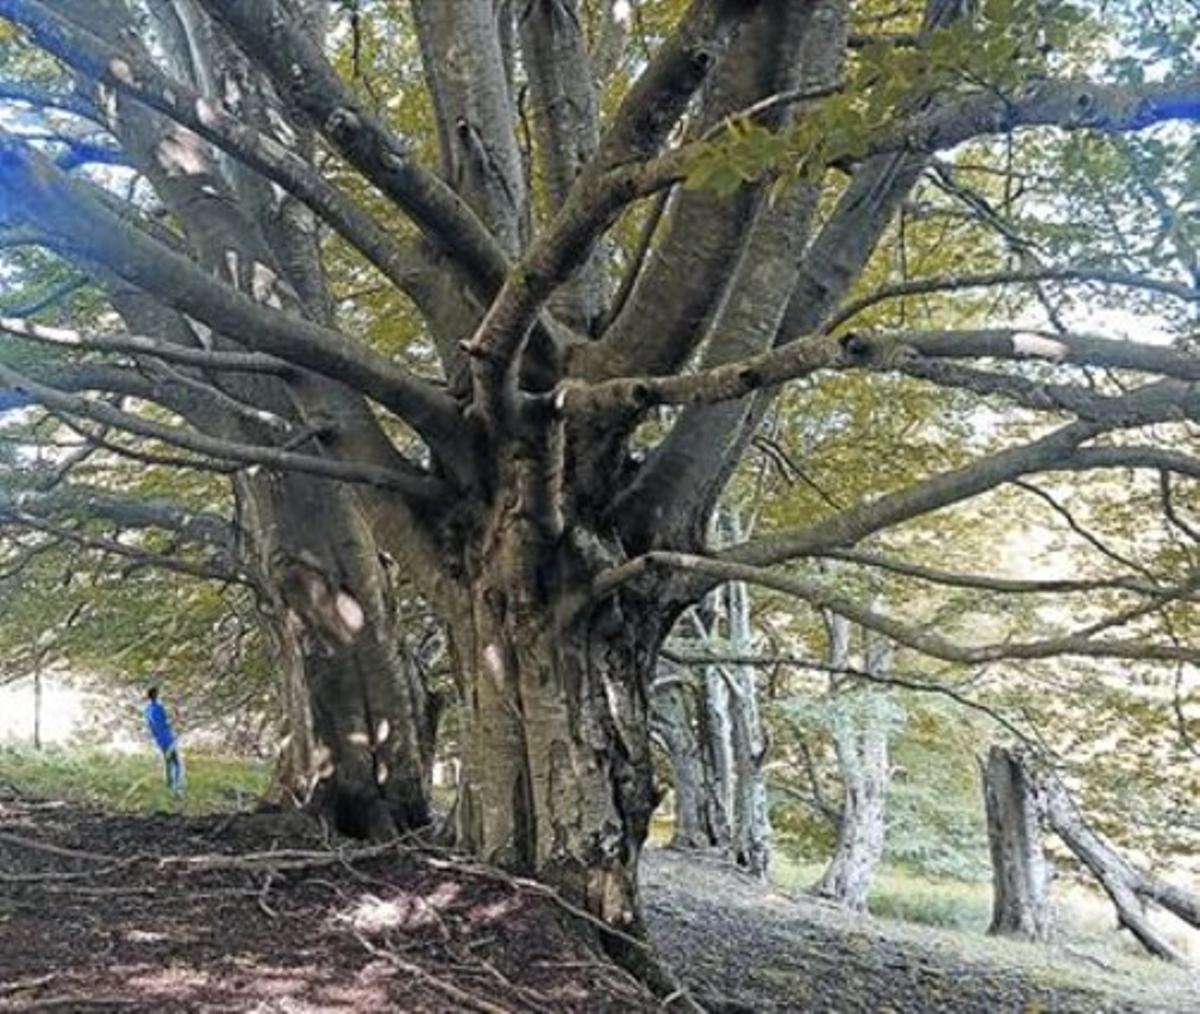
x=164 y=736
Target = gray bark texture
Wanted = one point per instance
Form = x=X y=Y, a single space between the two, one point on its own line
x=1020 y=873
x=861 y=745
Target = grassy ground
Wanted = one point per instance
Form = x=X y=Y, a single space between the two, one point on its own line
x=133 y=783
x=898 y=894
x=1083 y=915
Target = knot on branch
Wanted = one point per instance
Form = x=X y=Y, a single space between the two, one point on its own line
x=342 y=120
x=857 y=348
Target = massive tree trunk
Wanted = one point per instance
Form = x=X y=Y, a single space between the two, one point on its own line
x=514 y=488
x=1020 y=875
x=557 y=776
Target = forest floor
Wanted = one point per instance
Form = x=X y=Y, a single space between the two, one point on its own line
x=259 y=913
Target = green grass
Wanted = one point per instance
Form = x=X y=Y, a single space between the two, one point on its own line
x=897 y=894
x=133 y=783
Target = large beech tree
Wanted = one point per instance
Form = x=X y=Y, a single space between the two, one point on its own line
x=544 y=464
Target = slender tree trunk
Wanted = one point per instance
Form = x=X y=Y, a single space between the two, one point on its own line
x=751 y=820
x=674 y=724
x=863 y=763
x=716 y=737
x=37 y=706
x=1020 y=876
x=861 y=744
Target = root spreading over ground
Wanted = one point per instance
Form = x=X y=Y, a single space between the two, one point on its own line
x=264 y=913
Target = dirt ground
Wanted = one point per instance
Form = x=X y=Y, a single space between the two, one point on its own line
x=263 y=914
x=167 y=914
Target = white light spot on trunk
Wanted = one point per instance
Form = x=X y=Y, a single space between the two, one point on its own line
x=323 y=766
x=106 y=99
x=121 y=71
x=262 y=285
x=621 y=11
x=209 y=190
x=233 y=93
x=207 y=113
x=283 y=130
x=1039 y=346
x=357 y=739
x=203 y=333
x=349 y=611
x=381 y=773
x=231 y=265
x=181 y=153
x=381 y=734
x=493 y=658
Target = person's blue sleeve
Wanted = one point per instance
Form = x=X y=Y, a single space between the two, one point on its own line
x=160 y=725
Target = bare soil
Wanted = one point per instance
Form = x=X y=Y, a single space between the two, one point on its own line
x=265 y=914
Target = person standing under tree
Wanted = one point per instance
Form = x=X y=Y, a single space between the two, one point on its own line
x=164 y=736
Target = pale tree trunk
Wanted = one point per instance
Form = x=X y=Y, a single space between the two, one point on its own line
x=716 y=737
x=1129 y=888
x=1020 y=875
x=721 y=798
x=37 y=706
x=861 y=745
x=751 y=819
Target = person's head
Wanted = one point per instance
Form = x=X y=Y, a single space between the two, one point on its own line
x=152 y=693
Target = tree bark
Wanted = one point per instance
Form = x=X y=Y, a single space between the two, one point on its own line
x=861 y=744
x=1020 y=875
x=692 y=829
x=557 y=768
x=863 y=764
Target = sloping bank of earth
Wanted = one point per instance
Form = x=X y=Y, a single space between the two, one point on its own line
x=103 y=912
x=747 y=947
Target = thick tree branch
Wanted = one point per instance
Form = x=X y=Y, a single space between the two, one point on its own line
x=411 y=484
x=1082 y=643
x=78 y=226
x=133 y=73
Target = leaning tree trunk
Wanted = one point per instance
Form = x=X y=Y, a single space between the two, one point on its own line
x=1020 y=878
x=1128 y=887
